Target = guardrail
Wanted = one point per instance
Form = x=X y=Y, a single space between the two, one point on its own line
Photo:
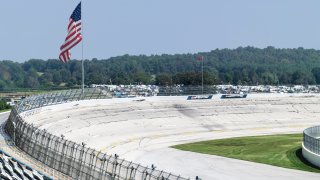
x=68 y=157
x=311 y=145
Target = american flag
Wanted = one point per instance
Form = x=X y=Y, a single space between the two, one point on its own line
x=200 y=58
x=74 y=34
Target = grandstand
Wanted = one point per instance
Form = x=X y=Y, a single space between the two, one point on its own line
x=12 y=169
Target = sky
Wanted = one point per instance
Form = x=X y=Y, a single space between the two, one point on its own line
x=37 y=28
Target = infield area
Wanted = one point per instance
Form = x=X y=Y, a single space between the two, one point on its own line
x=143 y=129
x=279 y=150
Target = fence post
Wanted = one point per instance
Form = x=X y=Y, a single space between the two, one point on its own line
x=115 y=164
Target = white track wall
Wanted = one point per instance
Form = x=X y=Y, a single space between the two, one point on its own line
x=311 y=157
x=311 y=145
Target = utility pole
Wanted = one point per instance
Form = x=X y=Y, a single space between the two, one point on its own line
x=202 y=74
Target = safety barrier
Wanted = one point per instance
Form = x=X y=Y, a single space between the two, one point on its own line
x=68 y=157
x=311 y=145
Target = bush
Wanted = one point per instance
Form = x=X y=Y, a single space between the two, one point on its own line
x=4 y=105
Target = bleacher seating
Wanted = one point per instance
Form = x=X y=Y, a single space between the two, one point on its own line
x=11 y=169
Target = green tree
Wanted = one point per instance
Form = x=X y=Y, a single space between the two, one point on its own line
x=316 y=74
x=164 y=79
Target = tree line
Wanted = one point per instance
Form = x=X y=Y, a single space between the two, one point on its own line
x=243 y=65
x=4 y=105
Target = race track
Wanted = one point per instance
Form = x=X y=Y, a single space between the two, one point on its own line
x=142 y=129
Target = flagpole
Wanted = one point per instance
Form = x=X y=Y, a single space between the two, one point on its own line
x=82 y=71
x=82 y=62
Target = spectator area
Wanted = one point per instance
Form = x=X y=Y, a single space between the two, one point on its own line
x=11 y=169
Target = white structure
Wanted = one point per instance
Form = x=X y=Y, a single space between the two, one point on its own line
x=311 y=145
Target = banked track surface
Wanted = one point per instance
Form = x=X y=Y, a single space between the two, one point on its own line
x=142 y=129
x=74 y=159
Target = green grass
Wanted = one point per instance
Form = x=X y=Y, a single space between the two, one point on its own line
x=278 y=150
x=5 y=110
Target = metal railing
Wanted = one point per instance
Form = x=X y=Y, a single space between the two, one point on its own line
x=311 y=139
x=68 y=157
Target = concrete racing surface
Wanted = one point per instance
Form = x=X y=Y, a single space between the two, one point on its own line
x=142 y=129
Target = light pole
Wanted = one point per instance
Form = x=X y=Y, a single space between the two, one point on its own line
x=202 y=74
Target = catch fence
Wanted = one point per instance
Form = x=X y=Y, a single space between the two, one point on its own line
x=311 y=139
x=70 y=158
